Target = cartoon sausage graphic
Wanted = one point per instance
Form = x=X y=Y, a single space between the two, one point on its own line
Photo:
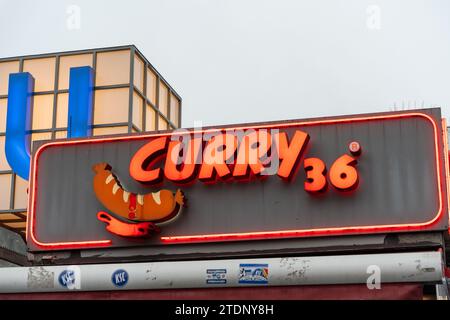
x=134 y=229
x=158 y=207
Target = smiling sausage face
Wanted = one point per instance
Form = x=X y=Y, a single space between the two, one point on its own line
x=158 y=206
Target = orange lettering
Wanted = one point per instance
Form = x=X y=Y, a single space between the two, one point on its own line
x=184 y=171
x=253 y=147
x=343 y=174
x=290 y=154
x=218 y=150
x=315 y=175
x=144 y=158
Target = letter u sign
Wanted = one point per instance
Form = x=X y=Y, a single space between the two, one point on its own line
x=20 y=104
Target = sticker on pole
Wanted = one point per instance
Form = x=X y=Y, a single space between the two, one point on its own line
x=216 y=276
x=254 y=273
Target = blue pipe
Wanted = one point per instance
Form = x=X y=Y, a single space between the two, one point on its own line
x=81 y=85
x=18 y=122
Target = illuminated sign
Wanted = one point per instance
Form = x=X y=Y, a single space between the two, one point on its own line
x=214 y=163
x=143 y=212
x=364 y=174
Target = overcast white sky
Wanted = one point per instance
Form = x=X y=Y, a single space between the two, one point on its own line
x=244 y=61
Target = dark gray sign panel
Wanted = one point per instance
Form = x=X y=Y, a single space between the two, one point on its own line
x=401 y=187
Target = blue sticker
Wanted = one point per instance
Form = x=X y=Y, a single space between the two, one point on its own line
x=67 y=278
x=119 y=278
x=216 y=276
x=254 y=273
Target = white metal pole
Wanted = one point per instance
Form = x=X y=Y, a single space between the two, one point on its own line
x=316 y=270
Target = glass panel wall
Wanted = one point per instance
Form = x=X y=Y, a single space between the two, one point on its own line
x=113 y=68
x=151 y=86
x=138 y=111
x=71 y=61
x=5 y=69
x=138 y=73
x=43 y=72
x=150 y=118
x=115 y=112
x=111 y=105
x=3 y=106
x=5 y=191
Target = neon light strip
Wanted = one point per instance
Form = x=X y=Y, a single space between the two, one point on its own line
x=446 y=159
x=247 y=235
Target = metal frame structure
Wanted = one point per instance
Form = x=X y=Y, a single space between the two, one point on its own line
x=14 y=258
x=21 y=213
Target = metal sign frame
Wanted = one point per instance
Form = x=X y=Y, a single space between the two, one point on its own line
x=276 y=234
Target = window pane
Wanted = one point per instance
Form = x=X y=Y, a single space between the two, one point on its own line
x=109 y=131
x=111 y=106
x=163 y=97
x=5 y=191
x=174 y=110
x=162 y=124
x=137 y=110
x=113 y=68
x=43 y=112
x=139 y=73
x=62 y=108
x=67 y=62
x=150 y=118
x=151 y=86
x=3 y=108
x=40 y=136
x=3 y=162
x=43 y=72
x=5 y=69
x=61 y=134
x=20 y=193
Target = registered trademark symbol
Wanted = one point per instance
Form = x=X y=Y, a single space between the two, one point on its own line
x=355 y=148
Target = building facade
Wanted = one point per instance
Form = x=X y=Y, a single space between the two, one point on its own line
x=107 y=197
x=129 y=96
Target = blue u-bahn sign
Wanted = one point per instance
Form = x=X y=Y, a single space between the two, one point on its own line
x=20 y=105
